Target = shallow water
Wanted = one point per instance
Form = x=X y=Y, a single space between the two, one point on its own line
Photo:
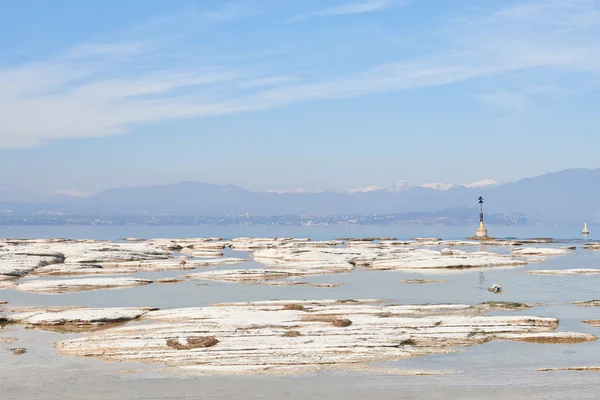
x=506 y=368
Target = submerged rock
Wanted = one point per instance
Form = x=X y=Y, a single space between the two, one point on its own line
x=593 y=322
x=19 y=351
x=243 y=275
x=588 y=303
x=592 y=369
x=421 y=281
x=549 y=338
x=586 y=271
x=169 y=280
x=503 y=305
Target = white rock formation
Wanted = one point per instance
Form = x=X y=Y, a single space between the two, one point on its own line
x=243 y=275
x=584 y=271
x=295 y=336
x=78 y=285
x=58 y=257
x=77 y=318
x=540 y=251
x=378 y=258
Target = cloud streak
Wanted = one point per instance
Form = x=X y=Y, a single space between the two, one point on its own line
x=355 y=8
x=80 y=94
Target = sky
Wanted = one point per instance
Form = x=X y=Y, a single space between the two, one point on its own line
x=283 y=94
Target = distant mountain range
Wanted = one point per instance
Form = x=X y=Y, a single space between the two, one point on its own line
x=567 y=196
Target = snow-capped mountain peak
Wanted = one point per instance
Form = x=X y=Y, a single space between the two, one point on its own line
x=365 y=189
x=402 y=185
x=486 y=183
x=439 y=186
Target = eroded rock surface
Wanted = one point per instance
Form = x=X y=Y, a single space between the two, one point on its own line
x=422 y=281
x=584 y=271
x=56 y=286
x=588 y=303
x=540 y=251
x=377 y=257
x=255 y=337
x=589 y=368
x=62 y=257
x=75 y=319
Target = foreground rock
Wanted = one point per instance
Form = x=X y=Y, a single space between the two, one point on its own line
x=300 y=336
x=78 y=285
x=75 y=320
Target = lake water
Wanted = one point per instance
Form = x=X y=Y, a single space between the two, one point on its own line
x=504 y=369
x=108 y=232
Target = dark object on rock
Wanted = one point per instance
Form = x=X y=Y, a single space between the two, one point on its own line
x=18 y=351
x=292 y=334
x=294 y=307
x=193 y=343
x=495 y=289
x=341 y=323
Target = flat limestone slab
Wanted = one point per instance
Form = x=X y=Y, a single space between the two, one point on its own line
x=550 y=338
x=300 y=336
x=378 y=257
x=7 y=283
x=243 y=275
x=540 y=251
x=588 y=369
x=78 y=285
x=584 y=271
x=75 y=320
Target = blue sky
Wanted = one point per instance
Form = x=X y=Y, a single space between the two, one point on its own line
x=295 y=93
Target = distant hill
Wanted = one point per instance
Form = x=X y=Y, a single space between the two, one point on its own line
x=569 y=195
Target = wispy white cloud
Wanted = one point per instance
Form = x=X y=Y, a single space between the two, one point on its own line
x=354 y=8
x=228 y=12
x=81 y=96
x=108 y=49
x=263 y=82
x=509 y=100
